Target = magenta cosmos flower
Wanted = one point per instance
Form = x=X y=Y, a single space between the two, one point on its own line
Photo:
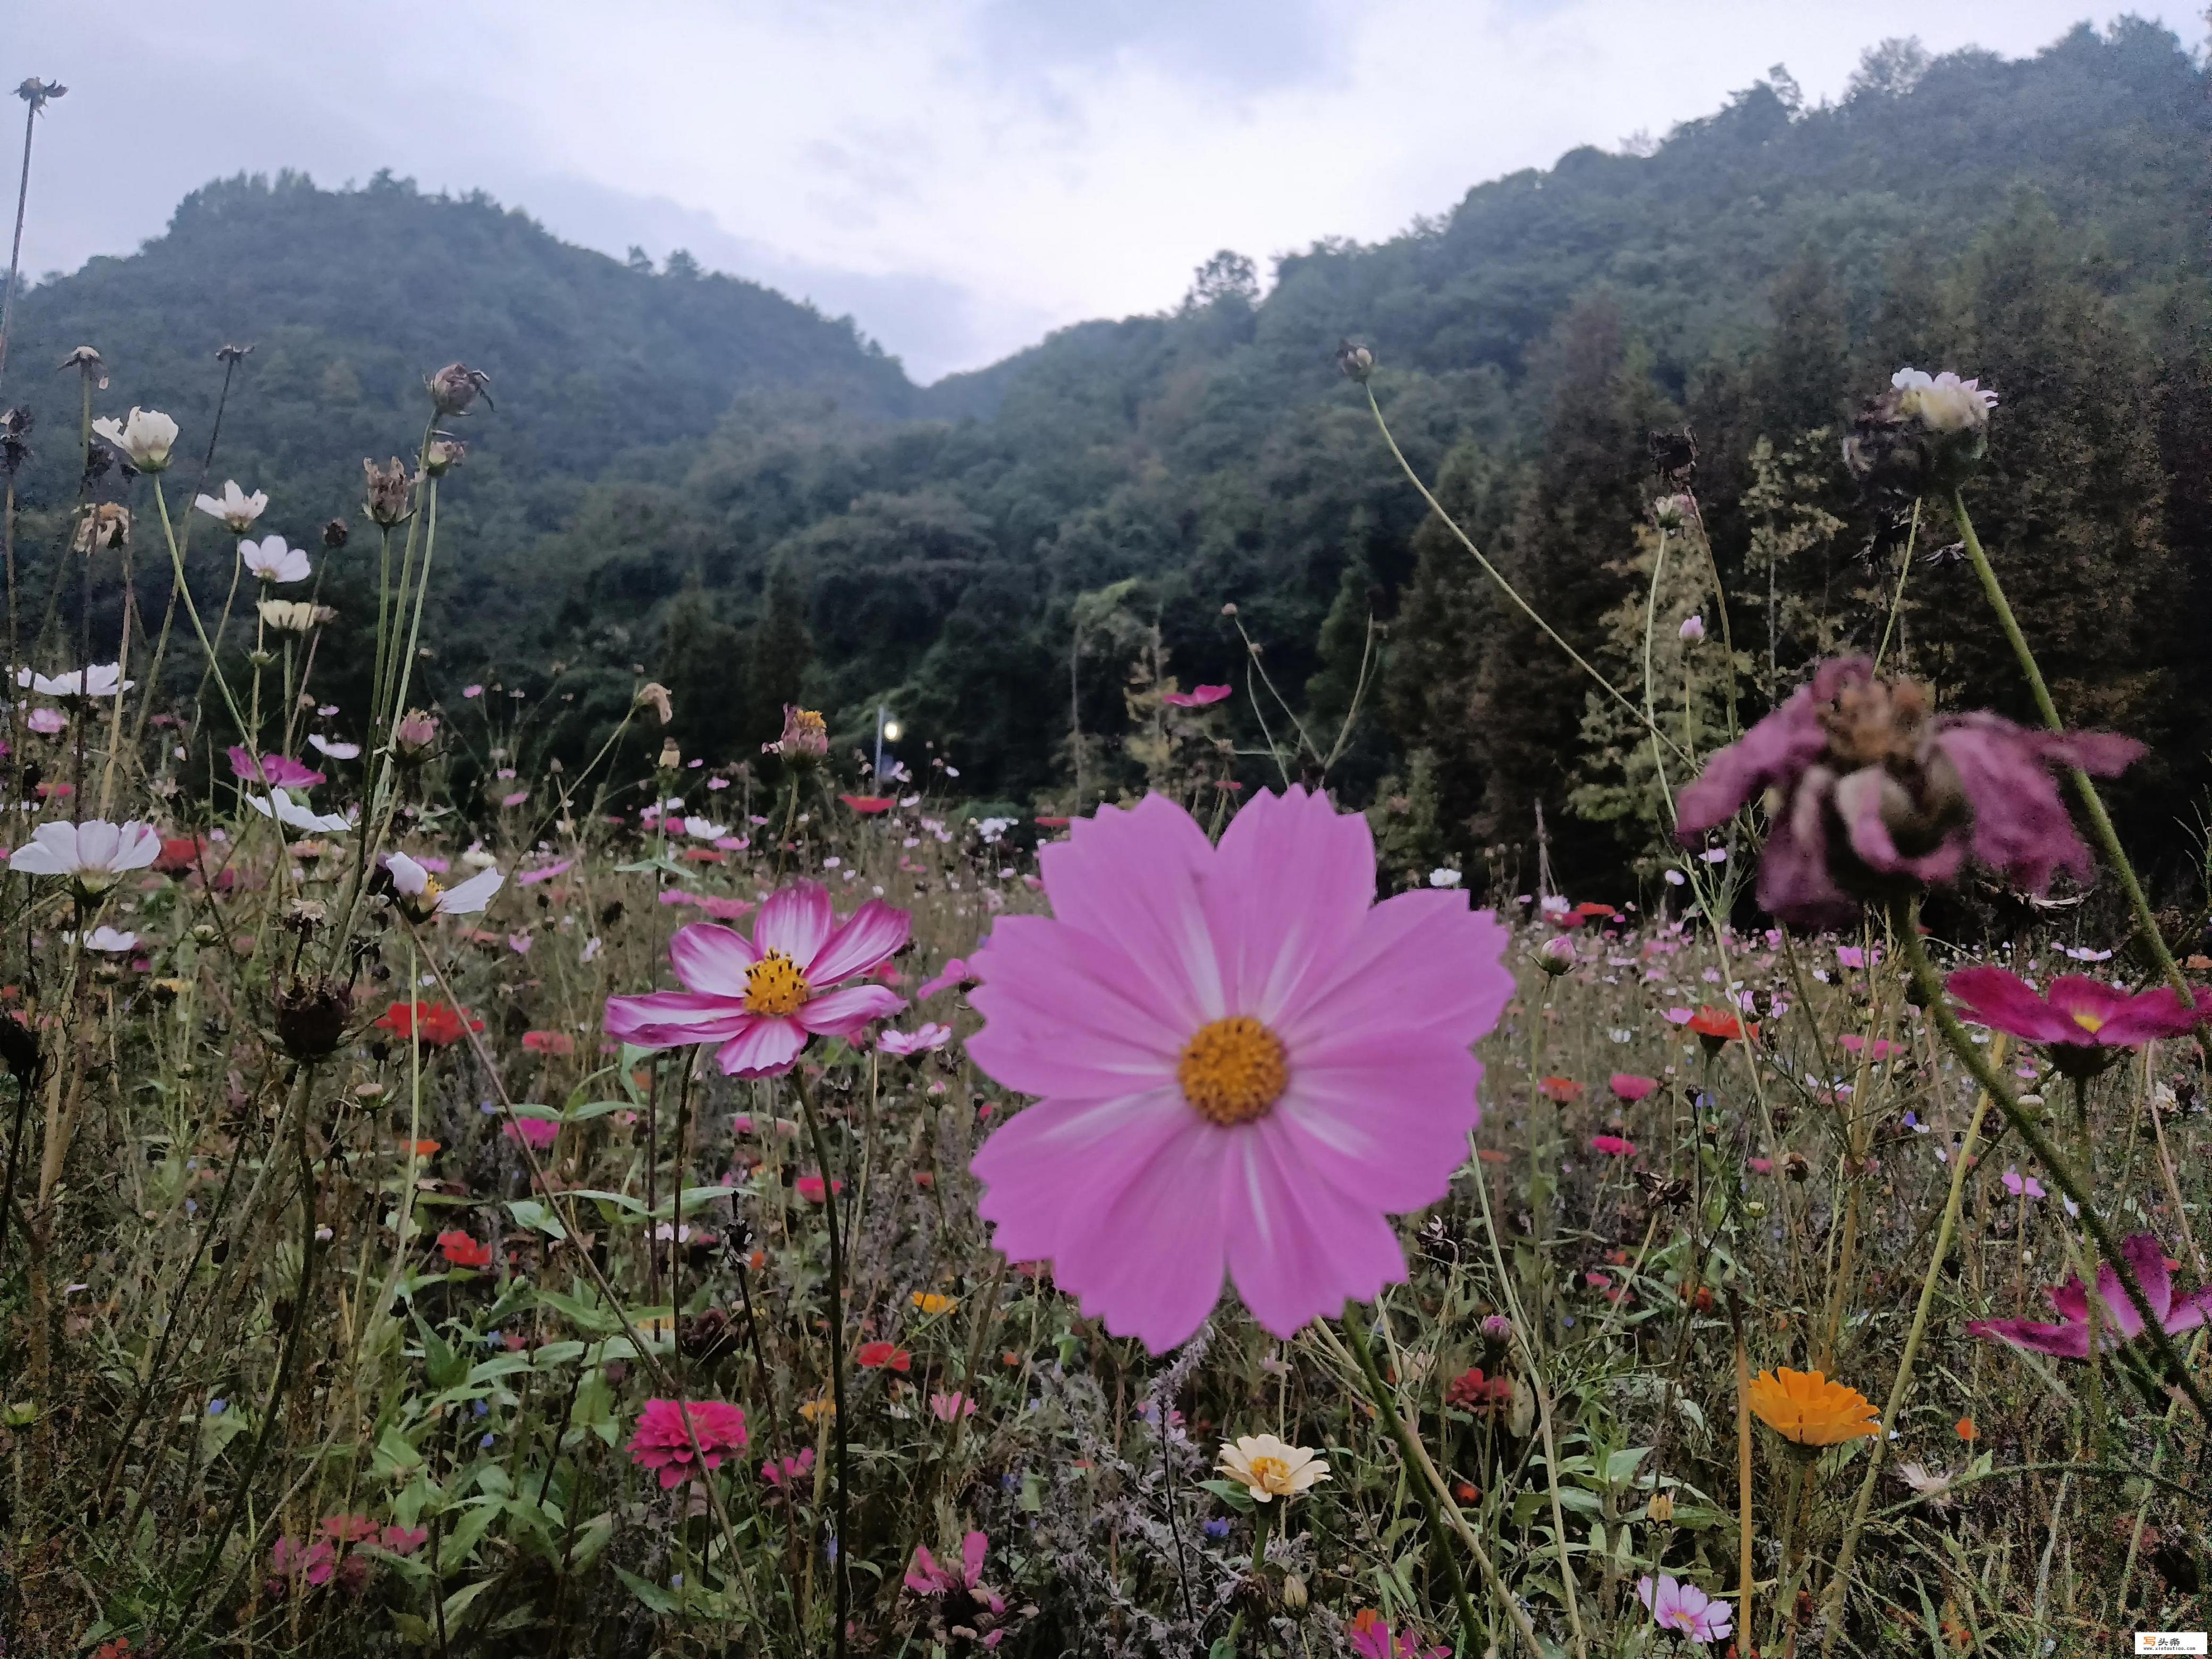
x=761 y=998
x=2083 y=1024
x=1873 y=795
x=1684 y=1608
x=663 y=1442
x=1245 y=1064
x=2117 y=1321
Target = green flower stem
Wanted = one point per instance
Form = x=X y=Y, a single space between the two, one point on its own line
x=1955 y=1036
x=1840 y=1585
x=1355 y=1332
x=177 y=559
x=841 y=1578
x=2092 y=804
x=1506 y=587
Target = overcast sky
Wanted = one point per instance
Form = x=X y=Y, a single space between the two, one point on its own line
x=960 y=175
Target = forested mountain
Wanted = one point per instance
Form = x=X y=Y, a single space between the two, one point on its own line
x=689 y=475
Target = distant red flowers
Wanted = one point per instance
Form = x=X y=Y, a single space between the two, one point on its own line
x=1716 y=1025
x=1612 y=1145
x=548 y=1042
x=868 y=805
x=809 y=1187
x=438 y=1024
x=463 y=1251
x=667 y=1428
x=1564 y=1089
x=883 y=1356
x=1472 y=1391
x=179 y=854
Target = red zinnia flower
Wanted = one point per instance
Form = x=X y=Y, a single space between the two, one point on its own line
x=1564 y=1089
x=1472 y=1391
x=1612 y=1145
x=868 y=805
x=809 y=1187
x=463 y=1251
x=179 y=854
x=878 y=1356
x=438 y=1024
x=1627 y=1086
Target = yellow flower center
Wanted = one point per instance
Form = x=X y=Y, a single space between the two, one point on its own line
x=2092 y=1023
x=775 y=987
x=1271 y=1474
x=1233 y=1071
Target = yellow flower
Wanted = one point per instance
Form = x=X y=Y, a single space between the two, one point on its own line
x=1805 y=1408
x=1268 y=1469
x=818 y=1408
x=930 y=1302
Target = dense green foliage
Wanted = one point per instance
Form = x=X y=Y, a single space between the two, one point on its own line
x=838 y=533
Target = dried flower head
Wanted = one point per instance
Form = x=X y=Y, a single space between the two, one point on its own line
x=443 y=454
x=389 y=492
x=86 y=361
x=1357 y=362
x=415 y=737
x=104 y=524
x=655 y=696
x=14 y=429
x=455 y=386
x=806 y=737
x=311 y=1017
x=335 y=534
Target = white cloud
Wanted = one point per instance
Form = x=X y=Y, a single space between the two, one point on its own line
x=960 y=174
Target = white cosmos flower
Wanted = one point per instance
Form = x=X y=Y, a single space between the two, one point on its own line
x=106 y=940
x=1944 y=403
x=94 y=854
x=333 y=748
x=288 y=616
x=234 y=506
x=701 y=829
x=273 y=561
x=97 y=681
x=422 y=897
x=145 y=436
x=279 y=805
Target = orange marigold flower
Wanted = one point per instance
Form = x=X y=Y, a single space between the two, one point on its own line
x=1965 y=1429
x=1805 y=1407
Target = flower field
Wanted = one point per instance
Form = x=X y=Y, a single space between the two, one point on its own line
x=763 y=1204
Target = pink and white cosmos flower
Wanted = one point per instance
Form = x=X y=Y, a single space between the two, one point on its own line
x=761 y=998
x=93 y=854
x=1684 y=1609
x=1246 y=1065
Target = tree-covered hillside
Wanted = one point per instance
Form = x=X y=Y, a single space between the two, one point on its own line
x=691 y=475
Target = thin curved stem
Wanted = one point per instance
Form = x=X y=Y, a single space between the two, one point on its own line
x=1507 y=587
x=840 y=1579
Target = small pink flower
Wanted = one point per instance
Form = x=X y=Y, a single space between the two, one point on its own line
x=538 y=1132
x=2082 y=1024
x=472 y=691
x=1680 y=1016
x=48 y=721
x=1201 y=696
x=662 y=1441
x=788 y=1472
x=403 y=1541
x=514 y=798
x=925 y=1577
x=1684 y=1610
x=946 y=1407
x=1612 y=1145
x=2021 y=1186
x=1627 y=1086
x=929 y=1037
x=761 y=998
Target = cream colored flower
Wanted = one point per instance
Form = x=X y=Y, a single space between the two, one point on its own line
x=235 y=507
x=289 y=615
x=145 y=436
x=1268 y=1469
x=1944 y=403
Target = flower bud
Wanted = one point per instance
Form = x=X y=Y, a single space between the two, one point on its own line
x=443 y=454
x=1357 y=362
x=1498 y=1327
x=806 y=737
x=1556 y=955
x=334 y=534
x=415 y=737
x=1670 y=513
x=1693 y=629
x=1661 y=1506
x=670 y=756
x=655 y=696
x=455 y=386
x=311 y=1017
x=1295 y=1595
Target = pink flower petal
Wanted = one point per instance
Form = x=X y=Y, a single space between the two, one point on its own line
x=796 y=920
x=1131 y=878
x=1298 y=1248
x=712 y=960
x=868 y=937
x=840 y=1013
x=669 y=1019
x=765 y=1048
x=1291 y=843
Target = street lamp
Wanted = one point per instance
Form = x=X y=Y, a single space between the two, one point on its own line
x=887 y=731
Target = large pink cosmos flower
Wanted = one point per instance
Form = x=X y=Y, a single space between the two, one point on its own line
x=1245 y=1063
x=761 y=998
x=2117 y=1321
x=1875 y=795
x=2083 y=1024
x=662 y=1442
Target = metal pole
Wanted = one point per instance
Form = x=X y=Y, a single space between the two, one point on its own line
x=879 y=773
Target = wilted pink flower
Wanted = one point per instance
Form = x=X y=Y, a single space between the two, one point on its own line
x=2082 y=1024
x=761 y=998
x=927 y=1578
x=930 y=1035
x=954 y=973
x=1684 y=1610
x=2117 y=1321
x=1877 y=795
x=1199 y=696
x=662 y=1442
x=1245 y=1064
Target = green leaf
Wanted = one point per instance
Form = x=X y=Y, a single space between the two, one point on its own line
x=1620 y=1465
x=462 y=1600
x=457 y=1544
x=395 y=1455
x=658 y=1599
x=1236 y=1497
x=530 y=1213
